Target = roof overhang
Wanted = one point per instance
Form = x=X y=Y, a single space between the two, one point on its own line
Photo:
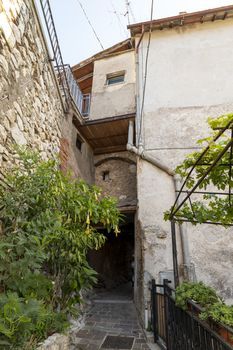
x=211 y=15
x=107 y=135
x=83 y=71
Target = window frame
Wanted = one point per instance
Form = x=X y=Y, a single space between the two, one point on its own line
x=79 y=143
x=115 y=75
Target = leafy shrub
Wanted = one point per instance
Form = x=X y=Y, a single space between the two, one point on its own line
x=219 y=312
x=47 y=223
x=21 y=318
x=198 y=292
x=212 y=305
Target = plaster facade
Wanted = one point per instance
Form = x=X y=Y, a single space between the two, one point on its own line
x=188 y=80
x=76 y=154
x=116 y=99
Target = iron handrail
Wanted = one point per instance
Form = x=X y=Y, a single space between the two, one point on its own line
x=57 y=56
x=69 y=86
x=175 y=328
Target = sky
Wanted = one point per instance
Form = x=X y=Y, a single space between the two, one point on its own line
x=109 y=19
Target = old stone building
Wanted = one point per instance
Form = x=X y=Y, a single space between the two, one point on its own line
x=188 y=80
x=109 y=79
x=33 y=111
x=174 y=85
x=137 y=110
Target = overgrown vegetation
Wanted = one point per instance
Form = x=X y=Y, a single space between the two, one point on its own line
x=210 y=207
x=212 y=305
x=198 y=292
x=47 y=225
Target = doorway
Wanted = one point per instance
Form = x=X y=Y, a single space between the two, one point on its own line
x=114 y=262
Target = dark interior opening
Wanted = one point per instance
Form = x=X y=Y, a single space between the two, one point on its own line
x=114 y=262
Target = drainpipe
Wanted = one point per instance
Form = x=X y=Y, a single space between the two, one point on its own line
x=143 y=154
x=140 y=152
x=183 y=236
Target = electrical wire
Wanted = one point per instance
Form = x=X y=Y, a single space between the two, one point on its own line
x=131 y=12
x=119 y=20
x=88 y=20
x=146 y=71
x=127 y=11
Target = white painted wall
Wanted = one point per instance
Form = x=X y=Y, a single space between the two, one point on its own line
x=190 y=78
x=117 y=99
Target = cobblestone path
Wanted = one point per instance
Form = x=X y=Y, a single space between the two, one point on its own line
x=111 y=325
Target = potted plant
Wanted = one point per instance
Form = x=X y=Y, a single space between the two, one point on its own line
x=210 y=307
x=197 y=292
x=222 y=315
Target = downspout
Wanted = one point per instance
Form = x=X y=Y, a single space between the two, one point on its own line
x=183 y=237
x=143 y=154
x=157 y=163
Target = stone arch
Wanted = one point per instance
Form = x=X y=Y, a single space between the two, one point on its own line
x=99 y=162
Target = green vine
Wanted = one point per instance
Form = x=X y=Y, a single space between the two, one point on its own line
x=209 y=207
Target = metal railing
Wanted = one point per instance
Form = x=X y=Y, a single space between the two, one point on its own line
x=57 y=56
x=73 y=88
x=176 y=329
x=69 y=86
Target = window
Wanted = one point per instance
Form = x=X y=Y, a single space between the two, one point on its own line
x=115 y=78
x=105 y=175
x=79 y=143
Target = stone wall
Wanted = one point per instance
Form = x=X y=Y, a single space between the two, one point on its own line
x=31 y=110
x=116 y=174
x=67 y=341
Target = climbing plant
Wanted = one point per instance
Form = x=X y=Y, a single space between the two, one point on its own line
x=48 y=223
x=209 y=206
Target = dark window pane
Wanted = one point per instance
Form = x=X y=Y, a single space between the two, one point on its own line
x=115 y=80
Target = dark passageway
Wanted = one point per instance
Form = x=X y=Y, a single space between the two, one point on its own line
x=114 y=261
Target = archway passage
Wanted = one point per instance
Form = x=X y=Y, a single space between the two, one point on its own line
x=114 y=262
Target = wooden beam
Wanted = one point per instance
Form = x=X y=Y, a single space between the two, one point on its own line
x=87 y=76
x=108 y=119
x=112 y=149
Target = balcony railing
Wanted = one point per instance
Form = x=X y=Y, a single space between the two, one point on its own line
x=69 y=86
x=72 y=90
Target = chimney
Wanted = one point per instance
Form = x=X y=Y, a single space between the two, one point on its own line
x=182 y=13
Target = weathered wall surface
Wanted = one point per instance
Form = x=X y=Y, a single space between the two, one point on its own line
x=30 y=107
x=31 y=110
x=121 y=180
x=192 y=69
x=81 y=160
x=115 y=99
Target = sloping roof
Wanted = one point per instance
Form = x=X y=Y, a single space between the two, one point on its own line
x=83 y=71
x=211 y=15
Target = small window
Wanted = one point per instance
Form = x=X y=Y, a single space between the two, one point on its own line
x=115 y=78
x=79 y=143
x=105 y=175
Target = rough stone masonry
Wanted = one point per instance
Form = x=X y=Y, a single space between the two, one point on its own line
x=31 y=110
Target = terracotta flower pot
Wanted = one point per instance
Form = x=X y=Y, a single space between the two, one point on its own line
x=226 y=335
